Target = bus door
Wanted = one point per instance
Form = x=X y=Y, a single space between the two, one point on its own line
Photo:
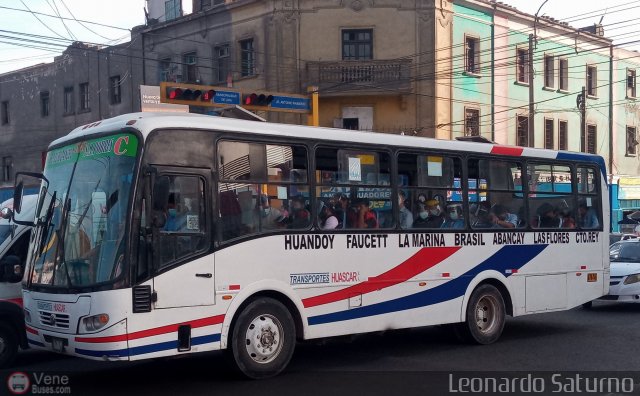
x=182 y=260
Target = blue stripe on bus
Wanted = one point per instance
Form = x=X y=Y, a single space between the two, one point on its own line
x=586 y=158
x=36 y=343
x=140 y=350
x=508 y=257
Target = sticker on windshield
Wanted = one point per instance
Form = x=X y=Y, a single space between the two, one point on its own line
x=110 y=146
x=193 y=222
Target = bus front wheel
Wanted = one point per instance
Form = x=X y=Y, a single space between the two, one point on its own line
x=263 y=338
x=485 y=316
x=8 y=345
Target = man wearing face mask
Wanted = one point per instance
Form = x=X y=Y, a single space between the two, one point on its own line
x=268 y=215
x=175 y=221
x=454 y=217
x=429 y=215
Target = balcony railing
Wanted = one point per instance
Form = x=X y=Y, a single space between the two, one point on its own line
x=361 y=77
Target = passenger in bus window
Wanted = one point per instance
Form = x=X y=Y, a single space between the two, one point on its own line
x=328 y=219
x=268 y=214
x=481 y=215
x=175 y=220
x=547 y=216
x=345 y=214
x=366 y=218
x=429 y=215
x=299 y=217
x=406 y=217
x=587 y=217
x=566 y=217
x=501 y=218
x=454 y=216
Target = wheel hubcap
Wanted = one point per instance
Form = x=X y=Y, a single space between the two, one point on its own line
x=264 y=338
x=486 y=314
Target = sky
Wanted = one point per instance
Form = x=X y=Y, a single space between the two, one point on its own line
x=619 y=23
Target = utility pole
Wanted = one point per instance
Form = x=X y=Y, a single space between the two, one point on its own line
x=530 y=129
x=581 y=103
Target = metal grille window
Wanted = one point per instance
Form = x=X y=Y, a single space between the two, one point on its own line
x=522 y=65
x=84 y=96
x=165 y=69
x=222 y=62
x=44 y=103
x=549 y=71
x=115 y=93
x=189 y=67
x=357 y=44
x=592 y=135
x=247 y=58
x=631 y=83
x=471 y=122
x=564 y=74
x=632 y=141
x=548 y=133
x=522 y=130
x=171 y=9
x=472 y=55
x=563 y=140
x=592 y=80
x=68 y=100
x=7 y=168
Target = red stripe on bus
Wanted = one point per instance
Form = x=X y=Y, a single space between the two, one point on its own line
x=17 y=301
x=414 y=265
x=506 y=150
x=30 y=330
x=213 y=320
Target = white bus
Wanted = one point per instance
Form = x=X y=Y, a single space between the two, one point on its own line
x=162 y=234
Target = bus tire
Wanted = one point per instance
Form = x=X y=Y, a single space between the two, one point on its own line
x=485 y=316
x=588 y=305
x=8 y=345
x=263 y=339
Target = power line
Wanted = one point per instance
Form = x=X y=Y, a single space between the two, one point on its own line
x=36 y=16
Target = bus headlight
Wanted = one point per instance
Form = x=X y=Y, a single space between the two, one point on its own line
x=634 y=278
x=27 y=316
x=95 y=322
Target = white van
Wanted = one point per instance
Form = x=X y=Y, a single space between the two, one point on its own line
x=14 y=245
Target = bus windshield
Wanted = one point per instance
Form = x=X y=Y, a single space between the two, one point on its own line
x=80 y=235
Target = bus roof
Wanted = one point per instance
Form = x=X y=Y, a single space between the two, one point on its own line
x=147 y=122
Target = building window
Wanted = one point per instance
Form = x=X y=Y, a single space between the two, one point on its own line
x=357 y=44
x=471 y=122
x=247 y=58
x=84 y=96
x=592 y=135
x=189 y=67
x=522 y=66
x=44 y=103
x=631 y=83
x=165 y=70
x=171 y=9
x=632 y=141
x=7 y=168
x=564 y=74
x=222 y=62
x=522 y=130
x=563 y=137
x=592 y=81
x=115 y=92
x=68 y=100
x=548 y=133
x=472 y=55
x=549 y=71
x=5 y=112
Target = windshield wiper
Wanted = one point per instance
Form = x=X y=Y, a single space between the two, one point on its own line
x=60 y=235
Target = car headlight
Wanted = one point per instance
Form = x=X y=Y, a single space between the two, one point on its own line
x=634 y=278
x=95 y=322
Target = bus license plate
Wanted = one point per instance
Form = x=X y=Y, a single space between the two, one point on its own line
x=58 y=344
x=592 y=277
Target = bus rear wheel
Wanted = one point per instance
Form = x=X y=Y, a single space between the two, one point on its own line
x=485 y=316
x=8 y=345
x=263 y=339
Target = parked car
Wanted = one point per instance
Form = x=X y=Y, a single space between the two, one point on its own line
x=14 y=245
x=617 y=236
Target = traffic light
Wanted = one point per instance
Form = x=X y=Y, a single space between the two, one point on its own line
x=255 y=99
x=190 y=94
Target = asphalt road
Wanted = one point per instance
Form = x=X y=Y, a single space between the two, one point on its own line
x=414 y=361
